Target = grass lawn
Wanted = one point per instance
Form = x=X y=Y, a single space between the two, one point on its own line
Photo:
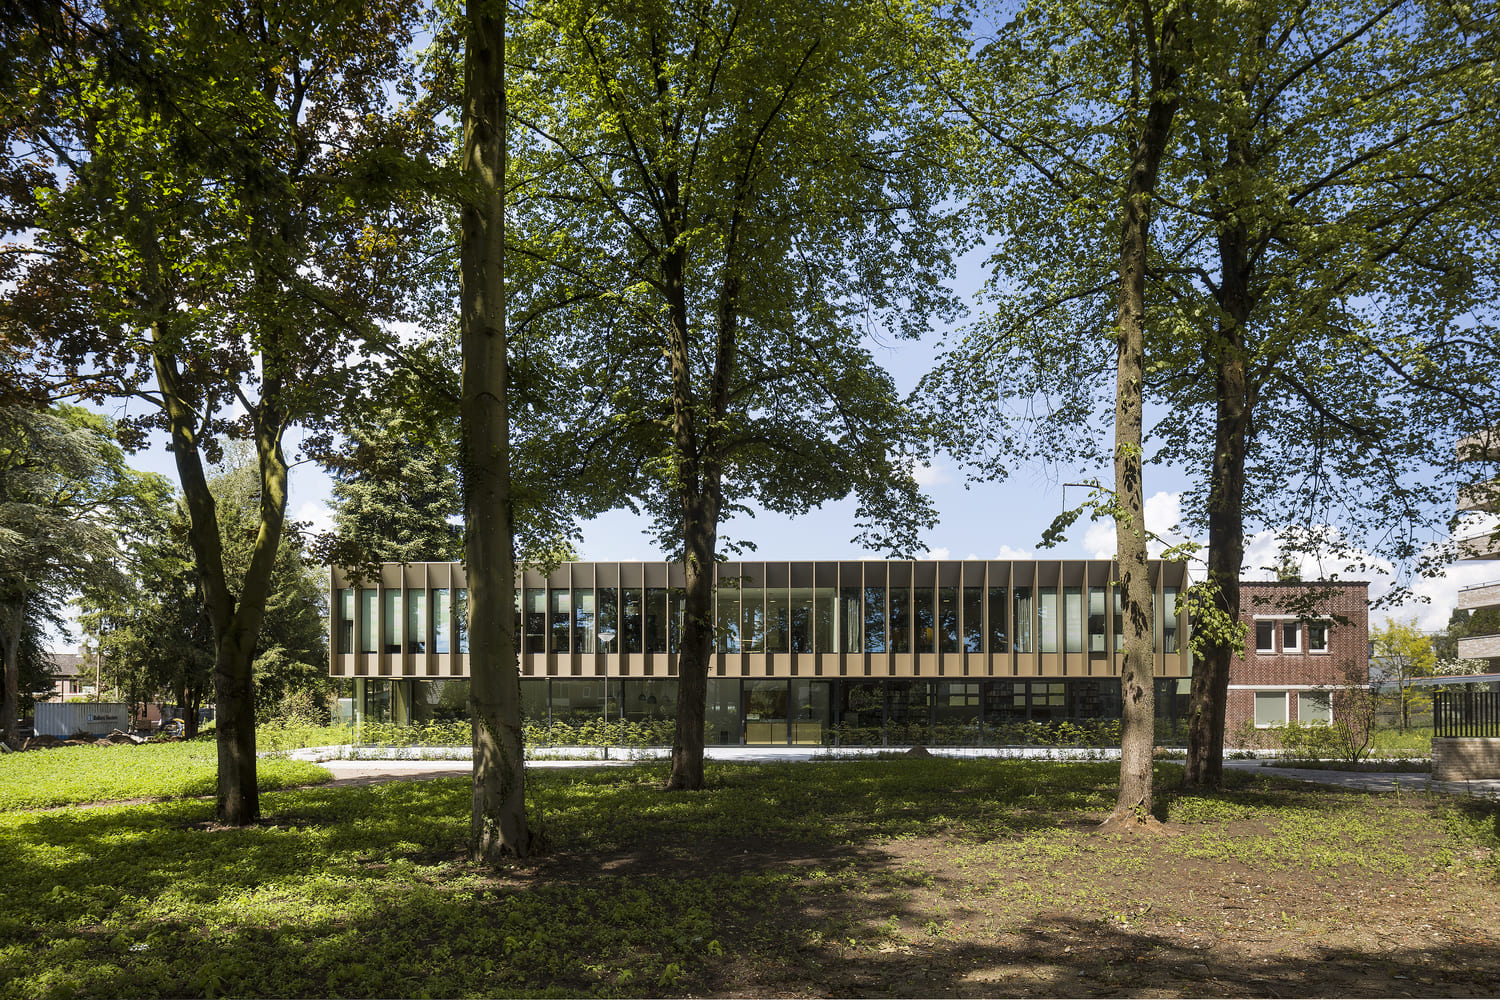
x=878 y=877
x=104 y=772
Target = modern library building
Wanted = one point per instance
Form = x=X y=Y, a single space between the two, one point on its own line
x=811 y=653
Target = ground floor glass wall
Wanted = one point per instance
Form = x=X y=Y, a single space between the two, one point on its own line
x=800 y=711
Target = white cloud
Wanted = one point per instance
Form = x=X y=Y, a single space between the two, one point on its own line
x=317 y=514
x=1099 y=540
x=938 y=553
x=1441 y=593
x=1163 y=511
x=1329 y=557
x=1006 y=552
x=928 y=474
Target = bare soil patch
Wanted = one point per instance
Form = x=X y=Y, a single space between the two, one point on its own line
x=1120 y=916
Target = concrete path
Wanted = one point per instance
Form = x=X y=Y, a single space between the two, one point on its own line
x=366 y=772
x=1375 y=781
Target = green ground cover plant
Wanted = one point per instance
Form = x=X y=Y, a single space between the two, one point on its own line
x=105 y=772
x=1395 y=743
x=1371 y=765
x=277 y=737
x=1321 y=742
x=873 y=877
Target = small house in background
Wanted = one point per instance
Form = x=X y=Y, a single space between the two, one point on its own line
x=73 y=678
x=1303 y=639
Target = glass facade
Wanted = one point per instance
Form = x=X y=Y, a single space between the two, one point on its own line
x=947 y=619
x=1024 y=620
x=461 y=618
x=753 y=619
x=440 y=613
x=1168 y=615
x=1073 y=619
x=1096 y=619
x=609 y=620
x=656 y=620
x=560 y=621
x=900 y=620
x=1047 y=620
x=346 y=620
x=729 y=619
x=392 y=622
x=534 y=620
x=874 y=620
x=817 y=711
x=825 y=659
x=416 y=621
x=583 y=620
x=973 y=619
x=369 y=635
x=999 y=615
x=630 y=619
x=851 y=619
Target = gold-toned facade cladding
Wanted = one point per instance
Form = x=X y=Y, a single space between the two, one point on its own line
x=875 y=619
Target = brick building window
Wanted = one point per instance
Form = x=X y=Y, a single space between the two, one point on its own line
x=1265 y=637
x=1270 y=708
x=1317 y=637
x=1313 y=708
x=1291 y=637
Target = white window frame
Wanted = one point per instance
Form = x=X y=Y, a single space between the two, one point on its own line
x=1285 y=709
x=1327 y=628
x=1258 y=647
x=1327 y=698
x=1296 y=627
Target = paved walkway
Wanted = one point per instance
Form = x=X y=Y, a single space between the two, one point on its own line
x=365 y=772
x=1375 y=781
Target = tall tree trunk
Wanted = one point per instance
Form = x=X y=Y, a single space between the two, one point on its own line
x=236 y=623
x=238 y=800
x=700 y=535
x=498 y=821
x=10 y=703
x=1138 y=714
x=1225 y=353
x=699 y=477
x=194 y=709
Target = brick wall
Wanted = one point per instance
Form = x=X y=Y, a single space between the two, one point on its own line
x=1465 y=758
x=1300 y=668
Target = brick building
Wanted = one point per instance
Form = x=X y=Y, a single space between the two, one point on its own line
x=72 y=678
x=1293 y=658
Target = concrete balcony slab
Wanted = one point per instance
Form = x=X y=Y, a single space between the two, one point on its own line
x=1483 y=496
x=1479 y=447
x=1484 y=595
x=1479 y=647
x=1479 y=547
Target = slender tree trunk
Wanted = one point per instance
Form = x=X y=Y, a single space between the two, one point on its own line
x=1138 y=713
x=194 y=706
x=236 y=623
x=699 y=478
x=498 y=827
x=700 y=535
x=10 y=704
x=1209 y=697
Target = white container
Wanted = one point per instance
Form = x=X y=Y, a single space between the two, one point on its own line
x=64 y=718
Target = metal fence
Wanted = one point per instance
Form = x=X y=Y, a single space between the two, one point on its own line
x=1465 y=713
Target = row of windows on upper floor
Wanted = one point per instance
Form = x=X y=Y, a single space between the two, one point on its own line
x=1289 y=633
x=762 y=620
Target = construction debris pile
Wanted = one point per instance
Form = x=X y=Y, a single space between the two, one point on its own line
x=117 y=737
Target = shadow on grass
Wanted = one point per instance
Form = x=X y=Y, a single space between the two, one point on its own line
x=831 y=879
